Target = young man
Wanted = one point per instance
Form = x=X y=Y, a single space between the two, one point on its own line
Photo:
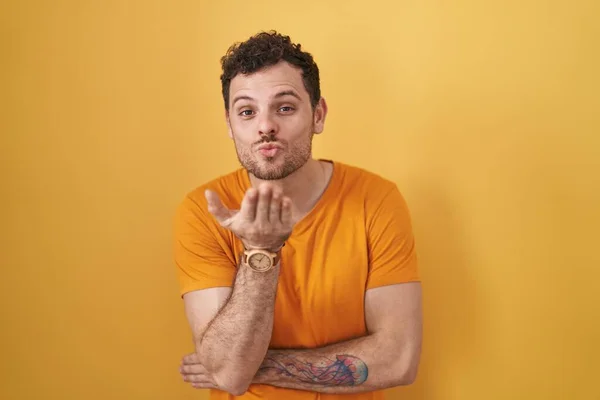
x=299 y=276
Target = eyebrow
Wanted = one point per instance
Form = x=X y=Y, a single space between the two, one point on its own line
x=278 y=95
x=287 y=93
x=241 y=98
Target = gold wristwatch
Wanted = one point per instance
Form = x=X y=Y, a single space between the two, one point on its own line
x=261 y=260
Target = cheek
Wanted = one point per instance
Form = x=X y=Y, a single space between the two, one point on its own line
x=241 y=131
x=298 y=127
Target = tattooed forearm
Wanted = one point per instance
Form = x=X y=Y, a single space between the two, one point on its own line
x=344 y=370
x=359 y=365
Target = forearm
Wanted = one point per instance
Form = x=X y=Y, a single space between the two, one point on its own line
x=235 y=343
x=364 y=364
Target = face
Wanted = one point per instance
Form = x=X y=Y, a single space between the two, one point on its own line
x=272 y=122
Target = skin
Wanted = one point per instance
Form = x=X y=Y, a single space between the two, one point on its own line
x=388 y=356
x=232 y=326
x=272 y=106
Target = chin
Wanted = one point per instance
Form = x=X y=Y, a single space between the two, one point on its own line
x=272 y=172
x=272 y=168
x=269 y=174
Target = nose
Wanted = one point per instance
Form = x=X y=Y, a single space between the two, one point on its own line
x=267 y=125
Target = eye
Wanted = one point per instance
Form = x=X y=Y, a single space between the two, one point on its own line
x=246 y=113
x=286 y=109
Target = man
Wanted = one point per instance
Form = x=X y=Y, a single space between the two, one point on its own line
x=299 y=276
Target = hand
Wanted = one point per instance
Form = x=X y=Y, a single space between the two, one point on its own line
x=193 y=371
x=264 y=220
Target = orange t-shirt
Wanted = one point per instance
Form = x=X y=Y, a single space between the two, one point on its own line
x=357 y=237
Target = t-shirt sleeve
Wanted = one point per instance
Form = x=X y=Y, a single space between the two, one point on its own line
x=203 y=256
x=391 y=243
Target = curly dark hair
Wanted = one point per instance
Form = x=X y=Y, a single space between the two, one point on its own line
x=263 y=50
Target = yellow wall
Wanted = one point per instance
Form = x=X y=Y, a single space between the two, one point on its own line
x=485 y=113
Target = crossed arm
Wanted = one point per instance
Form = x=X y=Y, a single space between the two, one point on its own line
x=387 y=356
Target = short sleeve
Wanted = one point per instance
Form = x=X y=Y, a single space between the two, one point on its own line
x=203 y=255
x=391 y=243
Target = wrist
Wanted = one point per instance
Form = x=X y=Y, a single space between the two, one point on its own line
x=270 y=249
x=261 y=259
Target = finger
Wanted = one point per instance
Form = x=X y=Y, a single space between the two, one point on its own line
x=264 y=200
x=275 y=208
x=248 y=208
x=216 y=208
x=204 y=386
x=192 y=369
x=197 y=378
x=191 y=359
x=286 y=211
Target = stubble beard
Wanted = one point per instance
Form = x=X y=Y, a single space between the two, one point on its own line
x=293 y=159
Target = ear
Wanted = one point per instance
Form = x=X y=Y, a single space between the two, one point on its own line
x=319 y=116
x=228 y=124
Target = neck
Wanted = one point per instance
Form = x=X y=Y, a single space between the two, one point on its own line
x=304 y=186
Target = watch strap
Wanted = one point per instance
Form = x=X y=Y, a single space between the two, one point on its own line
x=275 y=256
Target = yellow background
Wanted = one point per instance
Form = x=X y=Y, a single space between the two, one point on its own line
x=485 y=113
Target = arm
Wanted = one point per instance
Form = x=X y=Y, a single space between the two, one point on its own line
x=388 y=356
x=232 y=328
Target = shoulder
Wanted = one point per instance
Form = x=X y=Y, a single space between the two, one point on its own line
x=362 y=182
x=375 y=196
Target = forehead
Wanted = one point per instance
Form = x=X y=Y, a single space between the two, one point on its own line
x=269 y=81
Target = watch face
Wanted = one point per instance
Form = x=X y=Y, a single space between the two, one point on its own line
x=259 y=262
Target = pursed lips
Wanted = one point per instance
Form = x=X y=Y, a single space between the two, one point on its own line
x=269 y=149
x=269 y=146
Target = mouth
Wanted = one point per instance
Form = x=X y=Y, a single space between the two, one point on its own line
x=269 y=150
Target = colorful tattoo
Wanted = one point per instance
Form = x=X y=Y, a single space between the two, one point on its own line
x=345 y=370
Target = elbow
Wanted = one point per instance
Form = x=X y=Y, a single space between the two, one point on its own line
x=235 y=390
x=409 y=376
x=228 y=379
x=232 y=383
x=238 y=390
x=404 y=377
x=407 y=371
x=228 y=374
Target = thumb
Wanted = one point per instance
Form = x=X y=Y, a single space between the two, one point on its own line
x=215 y=207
